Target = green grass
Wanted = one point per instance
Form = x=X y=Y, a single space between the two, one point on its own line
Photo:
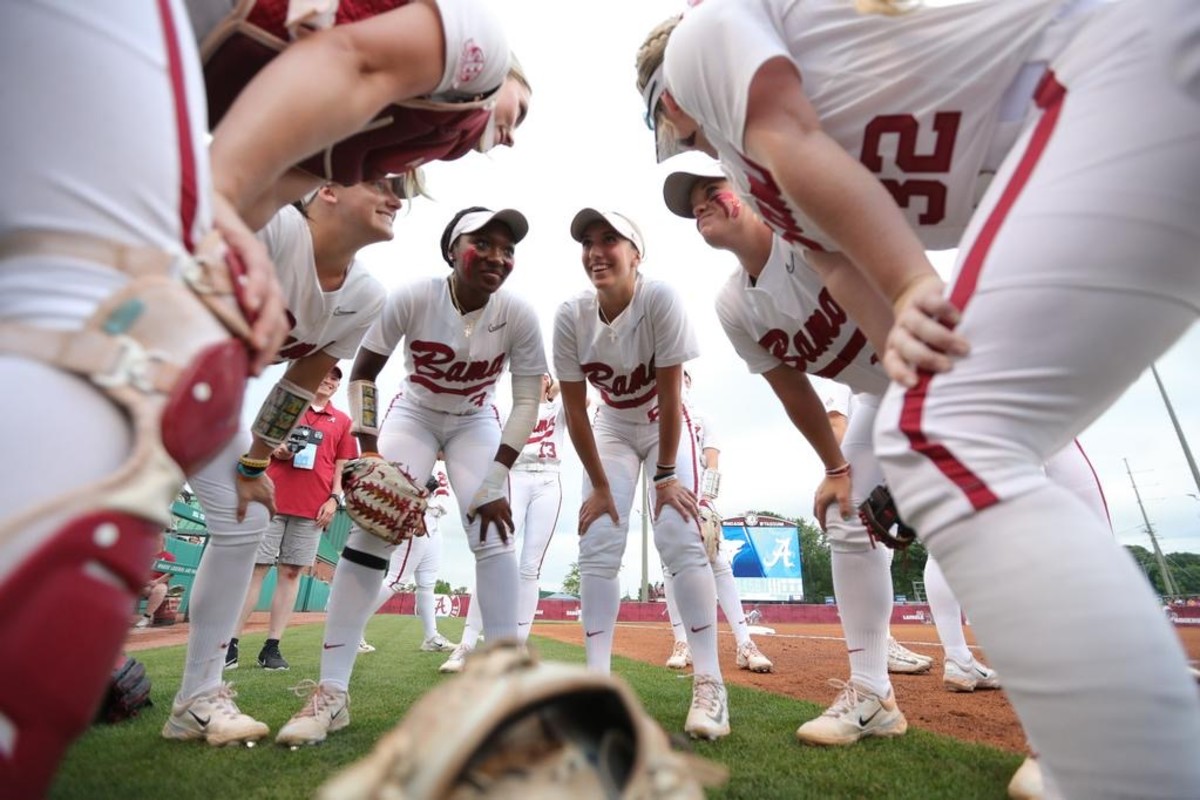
x=131 y=761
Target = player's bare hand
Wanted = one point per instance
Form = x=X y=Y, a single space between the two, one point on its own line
x=261 y=293
x=258 y=490
x=595 y=506
x=923 y=337
x=498 y=513
x=673 y=493
x=833 y=489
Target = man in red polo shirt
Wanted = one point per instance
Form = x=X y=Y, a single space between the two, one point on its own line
x=307 y=471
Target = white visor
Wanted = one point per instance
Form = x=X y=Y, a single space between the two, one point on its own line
x=477 y=220
x=620 y=223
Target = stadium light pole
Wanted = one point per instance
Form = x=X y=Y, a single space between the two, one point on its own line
x=1187 y=452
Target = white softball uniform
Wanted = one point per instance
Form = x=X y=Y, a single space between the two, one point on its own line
x=419 y=559
x=61 y=174
x=1076 y=271
x=335 y=321
x=535 y=496
x=925 y=100
x=471 y=31
x=445 y=404
x=786 y=317
x=535 y=487
x=620 y=360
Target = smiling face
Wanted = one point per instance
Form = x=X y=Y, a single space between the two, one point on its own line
x=717 y=209
x=512 y=104
x=609 y=259
x=369 y=208
x=484 y=259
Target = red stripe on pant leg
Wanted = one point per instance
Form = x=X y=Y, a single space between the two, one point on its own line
x=188 y=200
x=1049 y=97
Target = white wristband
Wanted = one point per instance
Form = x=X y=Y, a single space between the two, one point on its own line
x=710 y=484
x=493 y=488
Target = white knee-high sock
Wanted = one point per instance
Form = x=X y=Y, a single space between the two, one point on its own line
x=677 y=629
x=696 y=595
x=730 y=600
x=496 y=582
x=352 y=599
x=425 y=610
x=600 y=602
x=947 y=614
x=863 y=588
x=527 y=603
x=215 y=609
x=1106 y=726
x=474 y=625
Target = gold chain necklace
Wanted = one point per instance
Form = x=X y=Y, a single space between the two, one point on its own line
x=468 y=326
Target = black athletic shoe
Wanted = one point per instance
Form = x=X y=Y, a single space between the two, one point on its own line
x=231 y=655
x=270 y=658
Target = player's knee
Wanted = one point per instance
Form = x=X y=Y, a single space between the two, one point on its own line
x=679 y=554
x=290 y=571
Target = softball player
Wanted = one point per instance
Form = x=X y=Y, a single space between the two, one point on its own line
x=459 y=336
x=1077 y=268
x=784 y=324
x=104 y=224
x=420 y=558
x=333 y=301
x=629 y=338
x=536 y=488
x=455 y=89
x=747 y=654
x=535 y=495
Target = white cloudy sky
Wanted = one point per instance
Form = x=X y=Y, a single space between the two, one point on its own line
x=584 y=144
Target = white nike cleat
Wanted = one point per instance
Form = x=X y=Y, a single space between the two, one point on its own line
x=681 y=656
x=959 y=678
x=437 y=644
x=1027 y=783
x=456 y=660
x=214 y=718
x=751 y=658
x=708 y=718
x=904 y=661
x=365 y=647
x=326 y=710
x=856 y=714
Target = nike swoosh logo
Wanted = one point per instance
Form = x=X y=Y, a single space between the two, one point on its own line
x=331 y=646
x=202 y=722
x=982 y=674
x=590 y=634
x=493 y=327
x=856 y=650
x=341 y=312
x=701 y=628
x=522 y=624
x=863 y=722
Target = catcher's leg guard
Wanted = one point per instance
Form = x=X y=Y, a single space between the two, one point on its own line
x=159 y=348
x=77 y=588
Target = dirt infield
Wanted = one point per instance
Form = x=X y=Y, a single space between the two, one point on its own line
x=805 y=657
